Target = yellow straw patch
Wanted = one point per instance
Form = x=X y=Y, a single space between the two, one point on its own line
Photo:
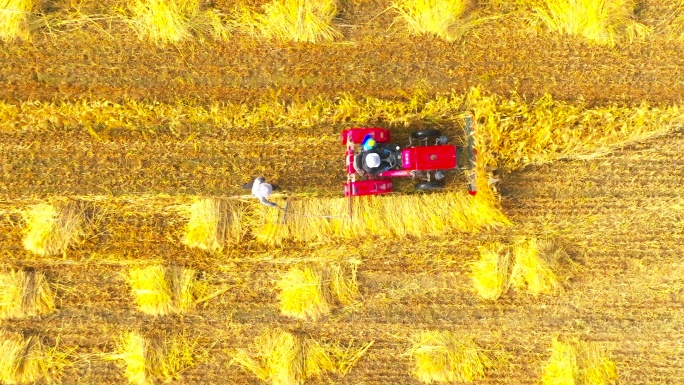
x=24 y=294
x=446 y=357
x=27 y=361
x=598 y=21
x=419 y=215
x=311 y=292
x=14 y=19
x=575 y=362
x=540 y=267
x=150 y=359
x=213 y=222
x=441 y=18
x=162 y=290
x=283 y=358
x=291 y=20
x=172 y=21
x=490 y=273
x=51 y=229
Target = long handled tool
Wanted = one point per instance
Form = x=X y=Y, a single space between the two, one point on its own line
x=286 y=212
x=282 y=217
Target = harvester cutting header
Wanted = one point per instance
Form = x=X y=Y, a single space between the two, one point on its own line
x=427 y=158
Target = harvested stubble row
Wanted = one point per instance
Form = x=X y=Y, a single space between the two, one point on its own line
x=629 y=297
x=233 y=221
x=504 y=56
x=233 y=141
x=172 y=21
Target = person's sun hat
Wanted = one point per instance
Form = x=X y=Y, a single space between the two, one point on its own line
x=373 y=160
x=265 y=190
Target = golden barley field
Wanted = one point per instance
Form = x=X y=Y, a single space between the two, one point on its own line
x=130 y=254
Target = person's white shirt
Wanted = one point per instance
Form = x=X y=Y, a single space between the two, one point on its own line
x=262 y=190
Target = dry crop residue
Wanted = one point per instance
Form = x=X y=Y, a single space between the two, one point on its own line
x=501 y=55
x=620 y=216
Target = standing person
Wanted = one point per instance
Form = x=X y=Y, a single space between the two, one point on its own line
x=261 y=190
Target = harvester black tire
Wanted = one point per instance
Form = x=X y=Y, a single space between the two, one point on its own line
x=430 y=186
x=423 y=134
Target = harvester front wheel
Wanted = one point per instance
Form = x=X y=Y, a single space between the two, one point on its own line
x=424 y=134
x=430 y=186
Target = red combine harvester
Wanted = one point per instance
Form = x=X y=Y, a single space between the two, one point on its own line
x=427 y=158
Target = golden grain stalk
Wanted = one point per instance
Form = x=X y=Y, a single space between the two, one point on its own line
x=213 y=222
x=490 y=273
x=291 y=20
x=446 y=357
x=283 y=358
x=310 y=292
x=441 y=18
x=575 y=362
x=172 y=21
x=24 y=294
x=160 y=358
x=27 y=361
x=540 y=266
x=51 y=229
x=548 y=129
x=14 y=19
x=160 y=290
x=598 y=21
